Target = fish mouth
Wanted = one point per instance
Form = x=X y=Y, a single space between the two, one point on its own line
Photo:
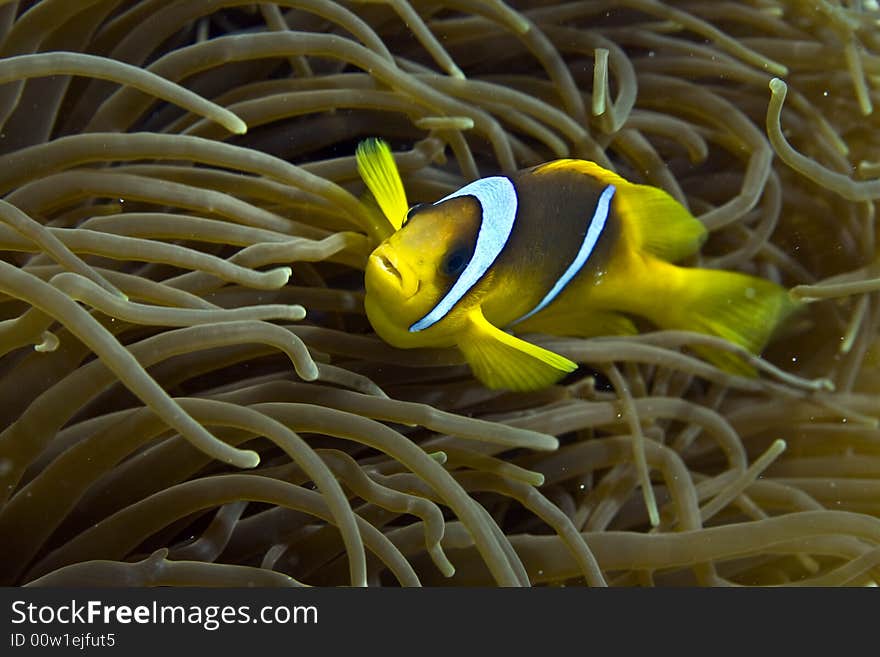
x=389 y=267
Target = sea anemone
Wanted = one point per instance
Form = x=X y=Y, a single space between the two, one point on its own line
x=192 y=393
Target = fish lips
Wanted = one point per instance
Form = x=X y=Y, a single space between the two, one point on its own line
x=387 y=270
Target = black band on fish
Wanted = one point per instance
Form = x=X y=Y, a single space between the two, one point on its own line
x=415 y=209
x=594 y=231
x=497 y=198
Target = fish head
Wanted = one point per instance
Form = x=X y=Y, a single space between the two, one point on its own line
x=409 y=273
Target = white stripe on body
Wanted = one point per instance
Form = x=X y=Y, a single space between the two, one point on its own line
x=594 y=231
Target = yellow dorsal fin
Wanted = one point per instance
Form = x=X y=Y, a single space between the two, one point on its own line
x=660 y=225
x=379 y=171
x=500 y=360
x=586 y=167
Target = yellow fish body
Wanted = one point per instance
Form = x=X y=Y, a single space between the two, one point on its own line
x=565 y=248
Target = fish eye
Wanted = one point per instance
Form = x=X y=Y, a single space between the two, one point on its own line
x=418 y=207
x=455 y=261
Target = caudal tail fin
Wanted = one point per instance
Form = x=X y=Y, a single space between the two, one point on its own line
x=743 y=309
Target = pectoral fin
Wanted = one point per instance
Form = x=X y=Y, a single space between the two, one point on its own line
x=377 y=168
x=501 y=360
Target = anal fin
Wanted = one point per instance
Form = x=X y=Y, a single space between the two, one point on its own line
x=502 y=361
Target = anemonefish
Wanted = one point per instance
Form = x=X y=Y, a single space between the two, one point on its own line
x=564 y=248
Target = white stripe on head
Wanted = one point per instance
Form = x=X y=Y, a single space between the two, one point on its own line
x=497 y=198
x=597 y=224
